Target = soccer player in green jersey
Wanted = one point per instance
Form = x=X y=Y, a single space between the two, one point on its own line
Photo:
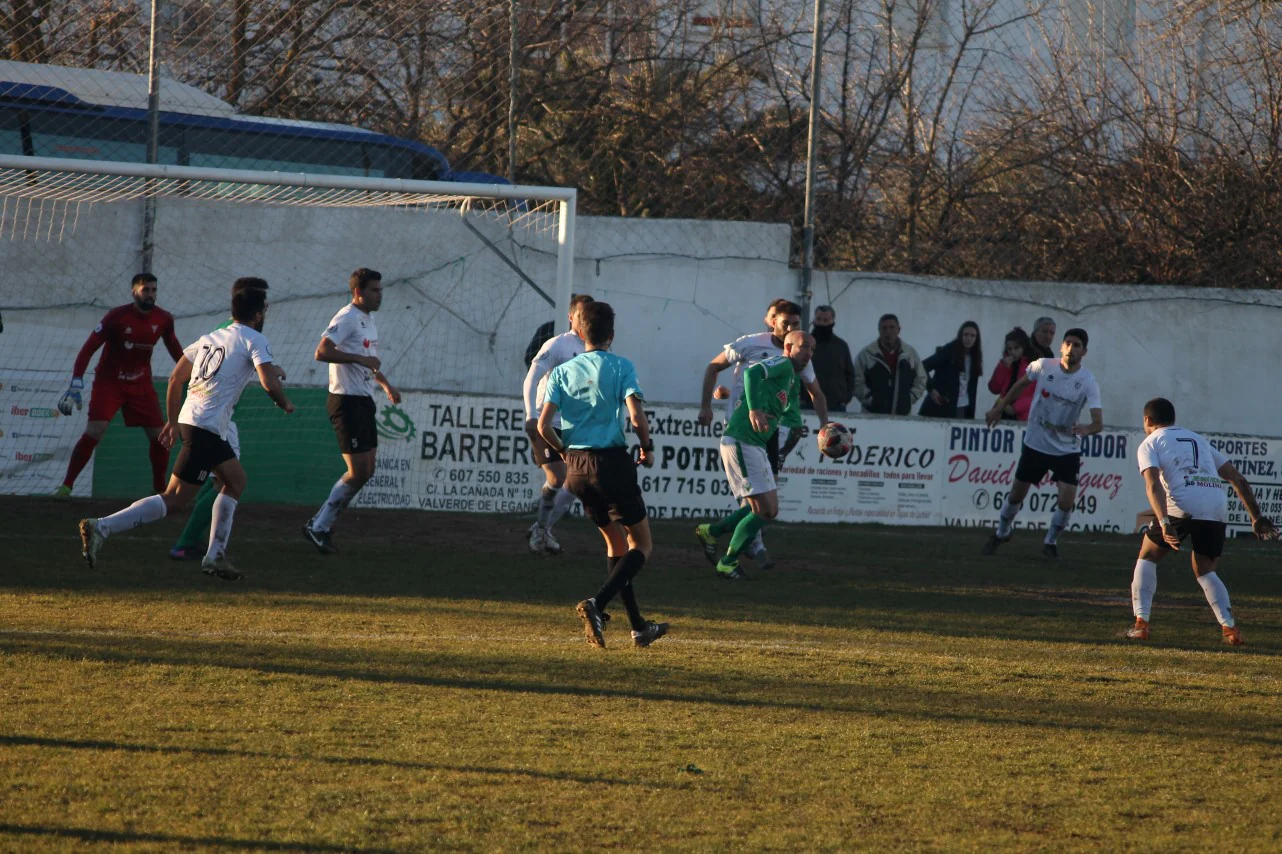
x=769 y=391
x=195 y=533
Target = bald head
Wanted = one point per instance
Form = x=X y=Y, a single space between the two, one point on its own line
x=799 y=347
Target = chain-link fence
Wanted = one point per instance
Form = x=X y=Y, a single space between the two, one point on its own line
x=1043 y=139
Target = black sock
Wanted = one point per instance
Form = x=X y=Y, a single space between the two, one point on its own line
x=627 y=567
x=634 y=613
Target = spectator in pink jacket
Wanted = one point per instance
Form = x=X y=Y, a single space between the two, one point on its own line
x=1013 y=364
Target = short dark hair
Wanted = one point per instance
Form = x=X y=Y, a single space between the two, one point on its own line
x=826 y=308
x=886 y=317
x=361 y=277
x=248 y=303
x=1079 y=334
x=1159 y=410
x=141 y=279
x=598 y=323
x=579 y=300
x=785 y=307
x=247 y=283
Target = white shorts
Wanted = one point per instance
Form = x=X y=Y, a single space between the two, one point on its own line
x=747 y=468
x=233 y=437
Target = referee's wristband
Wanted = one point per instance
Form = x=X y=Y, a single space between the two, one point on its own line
x=1165 y=522
x=648 y=447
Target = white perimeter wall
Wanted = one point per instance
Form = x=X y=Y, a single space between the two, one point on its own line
x=1214 y=353
x=682 y=290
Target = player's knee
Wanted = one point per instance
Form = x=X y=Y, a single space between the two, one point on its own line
x=96 y=429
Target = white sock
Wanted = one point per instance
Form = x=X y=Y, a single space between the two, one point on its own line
x=141 y=512
x=220 y=527
x=1059 y=521
x=1143 y=586
x=547 y=499
x=1006 y=518
x=563 y=501
x=339 y=497
x=1218 y=595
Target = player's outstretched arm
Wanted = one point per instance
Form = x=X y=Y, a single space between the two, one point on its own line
x=1096 y=425
x=818 y=400
x=178 y=378
x=715 y=367
x=269 y=379
x=71 y=397
x=172 y=344
x=545 y=428
x=327 y=351
x=1262 y=525
x=995 y=414
x=1157 y=502
x=636 y=409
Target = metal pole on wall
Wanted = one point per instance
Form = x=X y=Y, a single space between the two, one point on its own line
x=812 y=142
x=153 y=141
x=512 y=46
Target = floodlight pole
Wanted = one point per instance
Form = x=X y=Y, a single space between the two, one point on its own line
x=153 y=141
x=812 y=142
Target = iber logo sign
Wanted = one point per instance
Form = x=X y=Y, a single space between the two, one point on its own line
x=33 y=412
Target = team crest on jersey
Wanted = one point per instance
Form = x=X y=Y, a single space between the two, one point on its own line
x=129 y=330
x=154 y=327
x=366 y=342
x=1050 y=378
x=783 y=397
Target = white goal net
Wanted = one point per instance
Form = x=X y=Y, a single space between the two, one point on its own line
x=470 y=272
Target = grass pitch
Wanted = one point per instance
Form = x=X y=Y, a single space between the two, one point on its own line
x=429 y=688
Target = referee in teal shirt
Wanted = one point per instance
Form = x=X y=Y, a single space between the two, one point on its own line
x=594 y=392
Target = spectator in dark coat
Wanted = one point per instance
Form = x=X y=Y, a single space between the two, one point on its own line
x=1013 y=365
x=1043 y=340
x=834 y=367
x=954 y=371
x=889 y=378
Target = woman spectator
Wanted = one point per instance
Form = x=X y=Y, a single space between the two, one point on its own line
x=953 y=375
x=1012 y=366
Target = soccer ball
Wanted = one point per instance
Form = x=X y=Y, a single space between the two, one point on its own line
x=835 y=440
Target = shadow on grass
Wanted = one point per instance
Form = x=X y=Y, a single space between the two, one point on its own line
x=85 y=834
x=356 y=761
x=714 y=685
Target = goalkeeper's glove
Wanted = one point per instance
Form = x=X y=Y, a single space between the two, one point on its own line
x=72 y=396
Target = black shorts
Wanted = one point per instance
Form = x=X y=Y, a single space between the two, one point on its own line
x=1033 y=466
x=605 y=480
x=1207 y=536
x=541 y=452
x=354 y=418
x=201 y=453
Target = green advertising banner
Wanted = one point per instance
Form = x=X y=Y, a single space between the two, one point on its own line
x=290 y=459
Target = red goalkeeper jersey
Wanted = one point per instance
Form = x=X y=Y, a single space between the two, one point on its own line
x=127 y=337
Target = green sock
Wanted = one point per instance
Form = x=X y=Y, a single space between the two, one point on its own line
x=744 y=533
x=196 y=533
x=728 y=524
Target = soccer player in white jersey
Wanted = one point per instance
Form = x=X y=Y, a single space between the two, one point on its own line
x=1052 y=440
x=782 y=316
x=1184 y=477
x=349 y=345
x=219 y=366
x=554 y=498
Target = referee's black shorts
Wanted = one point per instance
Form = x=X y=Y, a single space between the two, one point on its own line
x=1207 y=536
x=1033 y=466
x=201 y=453
x=354 y=418
x=605 y=480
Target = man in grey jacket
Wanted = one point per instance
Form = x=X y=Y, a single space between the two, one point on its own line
x=889 y=377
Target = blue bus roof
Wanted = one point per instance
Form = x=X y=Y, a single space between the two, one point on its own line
x=54 y=99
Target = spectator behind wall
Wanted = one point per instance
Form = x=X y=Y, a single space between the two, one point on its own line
x=1043 y=340
x=834 y=368
x=953 y=375
x=1013 y=364
x=889 y=378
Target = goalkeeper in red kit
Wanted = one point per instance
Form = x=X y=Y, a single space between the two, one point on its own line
x=122 y=381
